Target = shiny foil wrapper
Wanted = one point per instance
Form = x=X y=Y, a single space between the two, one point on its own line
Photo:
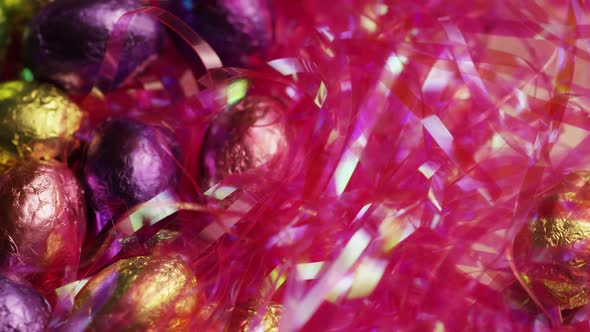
x=246 y=318
x=247 y=135
x=560 y=235
x=128 y=163
x=42 y=220
x=240 y=32
x=68 y=40
x=36 y=121
x=141 y=294
x=22 y=308
x=564 y=215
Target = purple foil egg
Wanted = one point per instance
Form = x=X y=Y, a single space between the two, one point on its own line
x=68 y=40
x=239 y=31
x=248 y=134
x=128 y=163
x=22 y=308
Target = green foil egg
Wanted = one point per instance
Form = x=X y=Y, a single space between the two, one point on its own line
x=36 y=121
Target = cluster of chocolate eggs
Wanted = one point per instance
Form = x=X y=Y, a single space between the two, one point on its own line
x=52 y=178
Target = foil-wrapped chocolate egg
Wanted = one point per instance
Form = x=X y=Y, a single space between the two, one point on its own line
x=128 y=163
x=239 y=31
x=140 y=294
x=36 y=120
x=22 y=308
x=248 y=134
x=68 y=41
x=42 y=220
x=554 y=247
x=246 y=318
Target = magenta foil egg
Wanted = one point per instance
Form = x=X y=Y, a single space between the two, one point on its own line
x=42 y=220
x=68 y=40
x=127 y=163
x=247 y=135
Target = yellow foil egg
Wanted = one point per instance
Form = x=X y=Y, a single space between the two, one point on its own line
x=36 y=120
x=141 y=294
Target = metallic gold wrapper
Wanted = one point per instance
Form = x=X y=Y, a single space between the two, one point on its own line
x=36 y=120
x=561 y=226
x=569 y=295
x=244 y=317
x=554 y=232
x=144 y=294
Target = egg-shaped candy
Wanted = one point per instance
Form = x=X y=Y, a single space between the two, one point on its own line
x=127 y=163
x=68 y=41
x=36 y=120
x=553 y=248
x=239 y=31
x=22 y=308
x=140 y=294
x=42 y=220
x=248 y=134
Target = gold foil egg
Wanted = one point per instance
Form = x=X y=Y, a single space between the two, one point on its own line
x=554 y=247
x=141 y=294
x=36 y=120
x=248 y=319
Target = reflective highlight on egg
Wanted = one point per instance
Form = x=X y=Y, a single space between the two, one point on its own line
x=141 y=293
x=36 y=120
x=42 y=220
x=555 y=243
x=248 y=319
x=127 y=163
x=247 y=135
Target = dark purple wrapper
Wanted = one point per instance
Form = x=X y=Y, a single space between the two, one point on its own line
x=68 y=40
x=241 y=32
